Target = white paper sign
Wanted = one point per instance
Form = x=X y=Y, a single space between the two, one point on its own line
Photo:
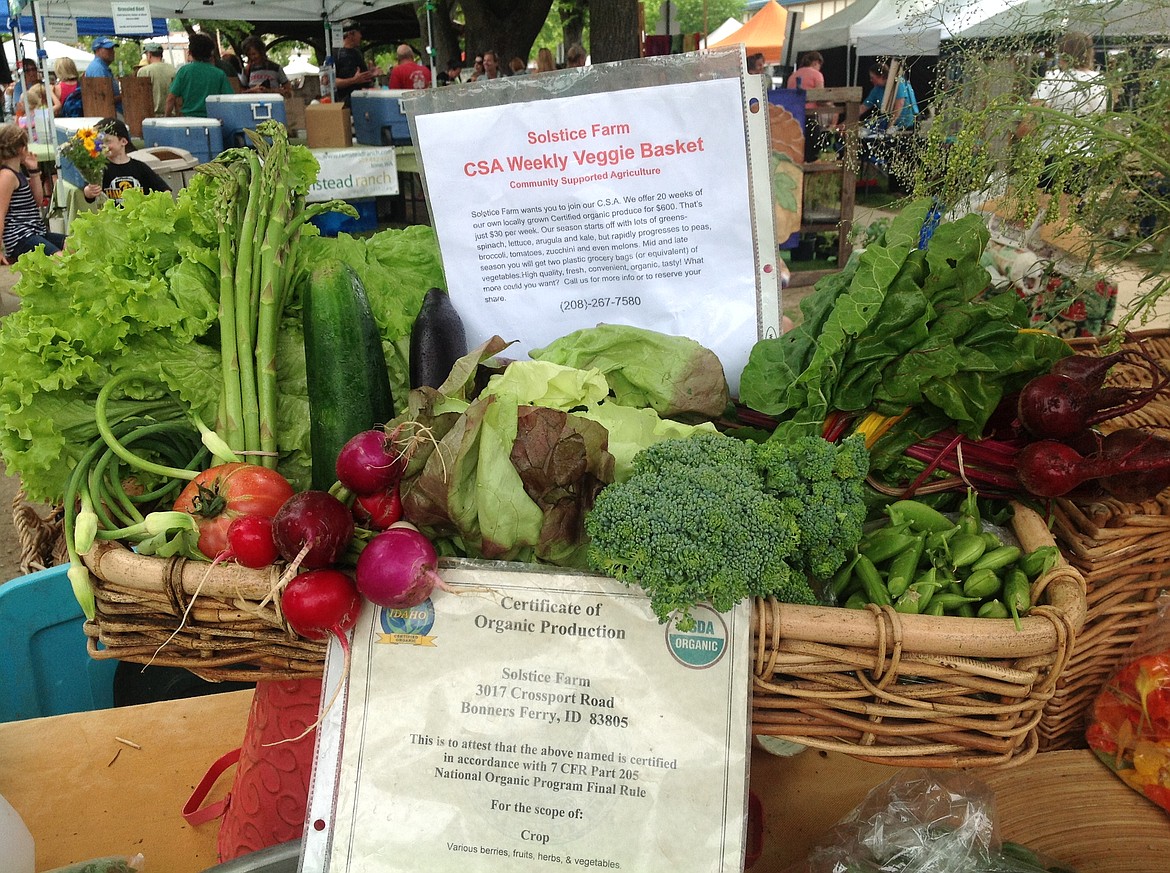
x=131 y=18
x=354 y=173
x=549 y=721
x=62 y=28
x=624 y=207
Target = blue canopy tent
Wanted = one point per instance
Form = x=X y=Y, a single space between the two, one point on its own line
x=97 y=26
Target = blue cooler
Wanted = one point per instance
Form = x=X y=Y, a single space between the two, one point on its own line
x=202 y=137
x=240 y=112
x=377 y=117
x=333 y=223
x=65 y=128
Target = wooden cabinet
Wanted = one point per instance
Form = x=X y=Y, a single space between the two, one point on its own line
x=844 y=105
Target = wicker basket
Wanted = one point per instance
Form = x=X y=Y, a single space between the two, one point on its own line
x=1123 y=552
x=917 y=690
x=221 y=623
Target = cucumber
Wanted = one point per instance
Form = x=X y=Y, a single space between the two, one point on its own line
x=349 y=386
x=437 y=340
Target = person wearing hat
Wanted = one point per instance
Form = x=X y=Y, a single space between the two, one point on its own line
x=352 y=71
x=160 y=73
x=122 y=173
x=99 y=67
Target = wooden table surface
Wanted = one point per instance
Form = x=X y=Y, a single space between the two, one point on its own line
x=84 y=794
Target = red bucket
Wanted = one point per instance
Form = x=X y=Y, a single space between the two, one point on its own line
x=270 y=792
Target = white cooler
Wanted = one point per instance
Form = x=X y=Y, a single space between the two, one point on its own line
x=201 y=137
x=240 y=112
x=174 y=166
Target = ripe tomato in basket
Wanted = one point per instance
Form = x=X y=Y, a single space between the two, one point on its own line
x=223 y=493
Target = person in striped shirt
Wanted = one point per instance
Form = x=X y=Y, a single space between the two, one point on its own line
x=22 y=226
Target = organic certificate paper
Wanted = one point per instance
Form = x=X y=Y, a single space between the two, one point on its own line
x=537 y=721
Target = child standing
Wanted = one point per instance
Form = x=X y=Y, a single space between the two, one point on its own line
x=22 y=227
x=122 y=173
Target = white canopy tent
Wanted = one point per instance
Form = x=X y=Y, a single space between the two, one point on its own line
x=52 y=48
x=726 y=29
x=1100 y=19
x=896 y=28
x=245 y=10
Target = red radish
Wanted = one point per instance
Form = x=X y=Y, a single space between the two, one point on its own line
x=319 y=603
x=370 y=462
x=250 y=541
x=398 y=569
x=380 y=510
x=1053 y=406
x=316 y=523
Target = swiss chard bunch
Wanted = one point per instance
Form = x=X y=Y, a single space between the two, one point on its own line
x=906 y=325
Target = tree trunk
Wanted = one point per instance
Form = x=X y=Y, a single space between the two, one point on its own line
x=574 y=14
x=613 y=31
x=444 y=32
x=505 y=27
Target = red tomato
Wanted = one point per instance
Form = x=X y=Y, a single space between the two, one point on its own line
x=379 y=510
x=220 y=494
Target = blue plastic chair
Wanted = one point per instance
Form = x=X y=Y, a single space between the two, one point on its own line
x=44 y=666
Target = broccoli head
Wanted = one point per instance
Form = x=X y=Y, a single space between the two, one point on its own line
x=711 y=518
x=825 y=482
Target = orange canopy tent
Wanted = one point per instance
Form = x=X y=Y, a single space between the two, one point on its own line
x=763 y=32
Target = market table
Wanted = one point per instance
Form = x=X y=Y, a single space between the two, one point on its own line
x=84 y=794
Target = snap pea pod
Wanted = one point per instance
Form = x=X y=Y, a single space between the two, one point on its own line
x=997 y=559
x=1039 y=561
x=991 y=540
x=969 y=520
x=966 y=549
x=982 y=584
x=839 y=584
x=949 y=601
x=992 y=609
x=921 y=517
x=904 y=566
x=856 y=600
x=885 y=542
x=1017 y=594
x=916 y=598
x=871 y=582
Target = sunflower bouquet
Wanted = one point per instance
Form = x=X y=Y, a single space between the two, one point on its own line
x=86 y=150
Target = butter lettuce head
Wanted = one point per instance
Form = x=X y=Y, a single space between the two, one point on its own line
x=673 y=375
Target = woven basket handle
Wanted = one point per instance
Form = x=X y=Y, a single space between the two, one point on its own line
x=193 y=810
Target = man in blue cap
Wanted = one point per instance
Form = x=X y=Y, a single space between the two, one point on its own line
x=99 y=67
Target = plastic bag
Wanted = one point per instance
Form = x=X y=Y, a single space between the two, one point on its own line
x=924 y=821
x=1129 y=725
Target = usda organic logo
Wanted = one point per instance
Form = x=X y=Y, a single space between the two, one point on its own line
x=701 y=646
